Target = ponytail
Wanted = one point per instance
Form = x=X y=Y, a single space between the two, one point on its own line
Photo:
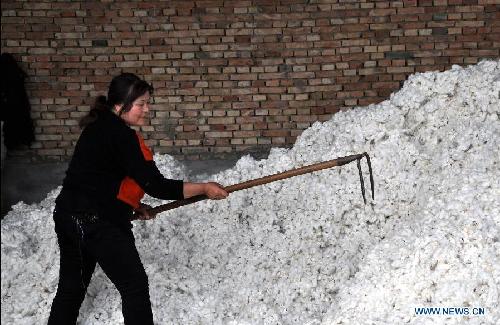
x=100 y=105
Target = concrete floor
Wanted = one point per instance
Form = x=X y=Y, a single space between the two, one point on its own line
x=30 y=182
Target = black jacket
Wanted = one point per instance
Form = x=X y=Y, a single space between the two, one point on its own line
x=108 y=151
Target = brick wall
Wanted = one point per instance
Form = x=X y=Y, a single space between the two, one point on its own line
x=233 y=76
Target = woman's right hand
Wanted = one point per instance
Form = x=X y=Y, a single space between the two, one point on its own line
x=215 y=191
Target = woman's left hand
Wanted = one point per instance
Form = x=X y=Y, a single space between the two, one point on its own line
x=141 y=213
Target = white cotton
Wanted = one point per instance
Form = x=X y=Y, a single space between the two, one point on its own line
x=306 y=250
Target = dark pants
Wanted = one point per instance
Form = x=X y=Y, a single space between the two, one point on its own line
x=85 y=241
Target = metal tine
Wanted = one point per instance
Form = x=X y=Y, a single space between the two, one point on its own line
x=372 y=186
x=358 y=161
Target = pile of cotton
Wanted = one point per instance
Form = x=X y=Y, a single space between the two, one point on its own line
x=306 y=250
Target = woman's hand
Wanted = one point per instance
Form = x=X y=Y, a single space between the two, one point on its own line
x=215 y=191
x=212 y=190
x=141 y=213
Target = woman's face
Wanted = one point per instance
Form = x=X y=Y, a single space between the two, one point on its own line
x=138 y=115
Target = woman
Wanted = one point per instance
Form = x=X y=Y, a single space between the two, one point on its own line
x=110 y=170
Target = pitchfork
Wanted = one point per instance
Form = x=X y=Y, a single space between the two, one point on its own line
x=268 y=179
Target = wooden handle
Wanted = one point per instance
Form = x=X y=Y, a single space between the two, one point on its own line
x=260 y=181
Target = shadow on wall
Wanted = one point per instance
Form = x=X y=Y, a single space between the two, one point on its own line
x=17 y=125
x=17 y=130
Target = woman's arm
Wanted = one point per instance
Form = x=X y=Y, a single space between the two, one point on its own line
x=212 y=190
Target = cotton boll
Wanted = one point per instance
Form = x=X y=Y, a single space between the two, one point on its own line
x=170 y=167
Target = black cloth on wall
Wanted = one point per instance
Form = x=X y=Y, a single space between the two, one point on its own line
x=18 y=129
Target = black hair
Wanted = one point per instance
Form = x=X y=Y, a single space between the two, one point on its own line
x=124 y=89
